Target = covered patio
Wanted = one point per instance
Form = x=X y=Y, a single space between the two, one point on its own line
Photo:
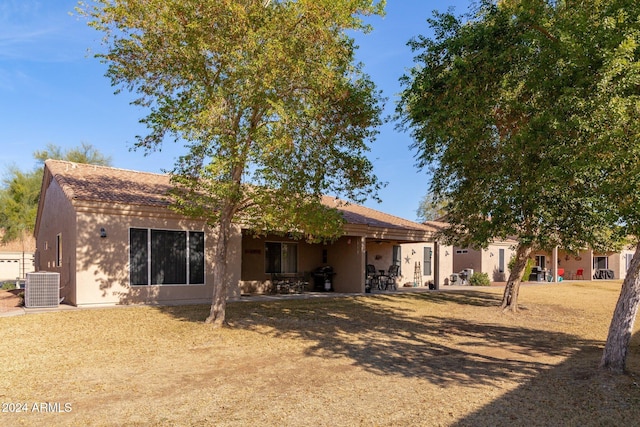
x=369 y=237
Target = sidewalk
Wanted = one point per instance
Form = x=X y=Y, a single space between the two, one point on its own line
x=10 y=301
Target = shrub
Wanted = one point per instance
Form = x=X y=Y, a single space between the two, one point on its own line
x=479 y=279
x=7 y=286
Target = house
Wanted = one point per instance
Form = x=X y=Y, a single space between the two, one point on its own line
x=426 y=263
x=110 y=234
x=16 y=258
x=493 y=260
x=587 y=264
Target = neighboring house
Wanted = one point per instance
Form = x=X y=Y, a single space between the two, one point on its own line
x=16 y=258
x=426 y=263
x=586 y=264
x=494 y=260
x=110 y=234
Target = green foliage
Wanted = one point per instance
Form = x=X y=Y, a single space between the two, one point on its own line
x=527 y=269
x=479 y=279
x=492 y=106
x=19 y=203
x=20 y=190
x=85 y=153
x=7 y=286
x=430 y=210
x=268 y=101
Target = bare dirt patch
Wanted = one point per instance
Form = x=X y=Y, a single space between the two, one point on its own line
x=439 y=358
x=10 y=300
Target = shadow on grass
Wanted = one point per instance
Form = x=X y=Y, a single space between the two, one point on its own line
x=572 y=393
x=388 y=341
x=385 y=339
x=471 y=298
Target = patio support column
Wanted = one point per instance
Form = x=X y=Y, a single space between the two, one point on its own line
x=554 y=260
x=436 y=265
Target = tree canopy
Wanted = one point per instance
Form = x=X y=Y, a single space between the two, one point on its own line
x=484 y=108
x=265 y=96
x=528 y=114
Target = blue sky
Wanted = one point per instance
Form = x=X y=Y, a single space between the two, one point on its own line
x=52 y=90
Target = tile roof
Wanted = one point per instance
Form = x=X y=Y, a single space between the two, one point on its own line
x=104 y=184
x=111 y=185
x=361 y=215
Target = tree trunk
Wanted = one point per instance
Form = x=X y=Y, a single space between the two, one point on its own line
x=217 y=315
x=511 y=290
x=615 y=351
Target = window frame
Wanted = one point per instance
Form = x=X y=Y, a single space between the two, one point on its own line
x=149 y=262
x=59 y=250
x=281 y=257
x=597 y=260
x=427 y=260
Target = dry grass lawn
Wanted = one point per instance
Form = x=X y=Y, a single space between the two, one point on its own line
x=407 y=359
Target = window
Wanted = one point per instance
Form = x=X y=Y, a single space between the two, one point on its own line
x=165 y=257
x=59 y=250
x=600 y=262
x=461 y=251
x=541 y=261
x=281 y=257
x=427 y=261
x=501 y=260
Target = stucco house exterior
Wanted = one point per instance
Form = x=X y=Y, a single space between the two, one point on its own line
x=584 y=265
x=493 y=260
x=587 y=264
x=110 y=234
x=426 y=263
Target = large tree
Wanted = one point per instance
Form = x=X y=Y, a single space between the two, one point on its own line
x=607 y=47
x=530 y=112
x=481 y=104
x=265 y=96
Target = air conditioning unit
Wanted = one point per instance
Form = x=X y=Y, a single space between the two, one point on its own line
x=42 y=289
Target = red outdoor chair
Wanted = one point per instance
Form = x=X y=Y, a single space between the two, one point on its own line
x=580 y=273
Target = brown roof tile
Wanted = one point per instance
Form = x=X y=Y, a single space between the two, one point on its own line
x=112 y=185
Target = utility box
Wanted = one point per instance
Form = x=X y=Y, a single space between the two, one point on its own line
x=42 y=290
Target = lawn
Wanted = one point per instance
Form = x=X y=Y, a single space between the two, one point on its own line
x=433 y=359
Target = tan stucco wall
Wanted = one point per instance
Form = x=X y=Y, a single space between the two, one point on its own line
x=347 y=258
x=413 y=253
x=344 y=255
x=58 y=217
x=485 y=260
x=491 y=261
x=471 y=259
x=103 y=263
x=380 y=255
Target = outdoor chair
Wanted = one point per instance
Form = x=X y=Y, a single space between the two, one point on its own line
x=580 y=273
x=373 y=279
x=388 y=280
